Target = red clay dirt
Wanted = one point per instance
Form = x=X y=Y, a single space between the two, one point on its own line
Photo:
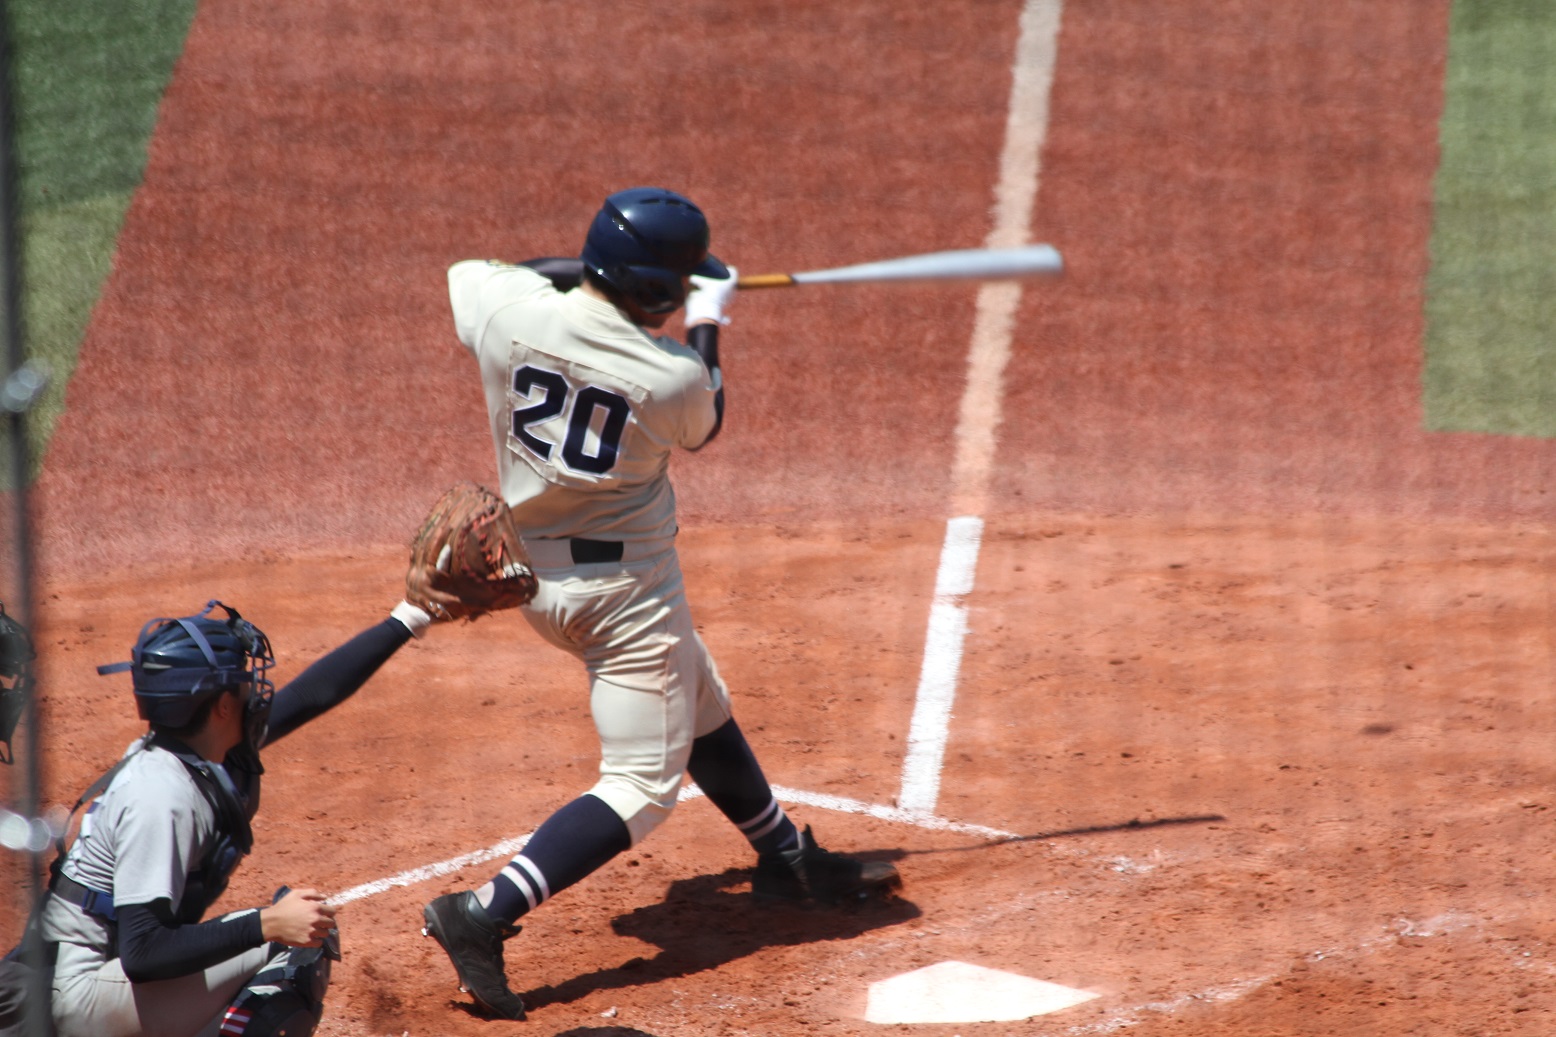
x=1257 y=675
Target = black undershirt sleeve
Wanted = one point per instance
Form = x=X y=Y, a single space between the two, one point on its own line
x=153 y=946
x=704 y=339
x=565 y=272
x=334 y=678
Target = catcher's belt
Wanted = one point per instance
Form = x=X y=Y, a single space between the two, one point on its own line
x=93 y=901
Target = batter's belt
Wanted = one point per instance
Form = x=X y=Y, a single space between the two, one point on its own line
x=563 y=553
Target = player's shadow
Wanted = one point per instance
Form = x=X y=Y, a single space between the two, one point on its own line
x=702 y=924
x=1133 y=825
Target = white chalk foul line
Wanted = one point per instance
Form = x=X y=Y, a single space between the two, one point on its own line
x=931 y=723
x=1026 y=126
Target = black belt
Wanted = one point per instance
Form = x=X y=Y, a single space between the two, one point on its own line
x=93 y=901
x=588 y=552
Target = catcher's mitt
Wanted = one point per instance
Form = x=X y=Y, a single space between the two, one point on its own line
x=467 y=558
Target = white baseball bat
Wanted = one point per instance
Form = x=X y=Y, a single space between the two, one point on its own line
x=985 y=264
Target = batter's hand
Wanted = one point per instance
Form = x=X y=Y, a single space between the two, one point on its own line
x=299 y=919
x=710 y=297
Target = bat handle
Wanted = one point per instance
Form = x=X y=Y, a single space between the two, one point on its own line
x=765 y=281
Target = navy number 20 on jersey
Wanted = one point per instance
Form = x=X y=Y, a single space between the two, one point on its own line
x=594 y=420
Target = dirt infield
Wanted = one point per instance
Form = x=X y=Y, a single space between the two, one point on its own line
x=1252 y=737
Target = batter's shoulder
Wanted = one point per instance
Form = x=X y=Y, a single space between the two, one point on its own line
x=478 y=288
x=487 y=275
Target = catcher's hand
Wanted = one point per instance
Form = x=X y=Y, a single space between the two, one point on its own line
x=467 y=558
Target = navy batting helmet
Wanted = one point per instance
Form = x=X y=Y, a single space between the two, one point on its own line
x=644 y=240
x=16 y=658
x=177 y=664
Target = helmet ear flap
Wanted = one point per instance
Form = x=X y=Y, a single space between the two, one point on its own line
x=651 y=289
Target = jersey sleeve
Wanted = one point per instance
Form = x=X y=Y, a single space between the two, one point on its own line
x=477 y=288
x=157 y=844
x=699 y=394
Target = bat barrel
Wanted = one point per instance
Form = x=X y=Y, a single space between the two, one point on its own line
x=969 y=264
x=981 y=264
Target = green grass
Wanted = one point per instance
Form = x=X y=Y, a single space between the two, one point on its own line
x=1491 y=295
x=88 y=77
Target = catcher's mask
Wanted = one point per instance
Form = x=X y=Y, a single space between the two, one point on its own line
x=643 y=241
x=178 y=664
x=16 y=677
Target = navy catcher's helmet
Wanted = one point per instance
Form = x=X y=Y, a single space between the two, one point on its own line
x=16 y=658
x=644 y=240
x=177 y=664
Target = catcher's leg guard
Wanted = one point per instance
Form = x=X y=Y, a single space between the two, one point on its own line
x=285 y=998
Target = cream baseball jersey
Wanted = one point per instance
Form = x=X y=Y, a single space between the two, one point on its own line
x=585 y=406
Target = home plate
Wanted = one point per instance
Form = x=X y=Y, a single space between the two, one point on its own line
x=956 y=992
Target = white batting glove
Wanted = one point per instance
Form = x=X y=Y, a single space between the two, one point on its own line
x=710 y=297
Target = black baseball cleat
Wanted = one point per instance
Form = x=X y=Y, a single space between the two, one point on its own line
x=473 y=942
x=813 y=874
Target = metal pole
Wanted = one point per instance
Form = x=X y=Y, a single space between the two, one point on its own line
x=17 y=395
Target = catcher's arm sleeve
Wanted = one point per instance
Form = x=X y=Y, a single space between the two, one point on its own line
x=153 y=946
x=334 y=678
x=704 y=340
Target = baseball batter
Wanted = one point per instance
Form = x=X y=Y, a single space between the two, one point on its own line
x=122 y=922
x=587 y=402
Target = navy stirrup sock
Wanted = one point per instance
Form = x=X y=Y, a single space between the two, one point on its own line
x=574 y=842
x=724 y=767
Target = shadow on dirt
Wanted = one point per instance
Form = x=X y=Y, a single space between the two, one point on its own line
x=702 y=925
x=1064 y=833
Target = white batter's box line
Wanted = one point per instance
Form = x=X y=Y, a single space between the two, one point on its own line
x=1133 y=1016
x=932 y=822
x=509 y=847
x=1440 y=925
x=819 y=800
x=842 y=805
x=506 y=848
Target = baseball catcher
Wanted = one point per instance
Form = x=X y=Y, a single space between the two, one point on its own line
x=467 y=559
x=126 y=926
